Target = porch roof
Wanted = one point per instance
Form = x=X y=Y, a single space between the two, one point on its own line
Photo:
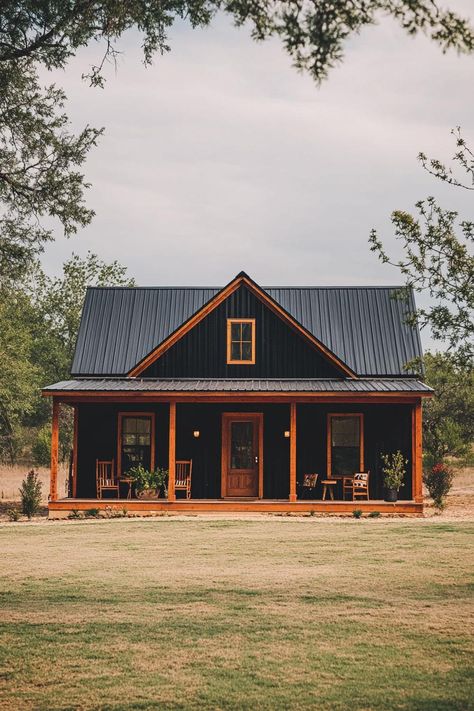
x=208 y=385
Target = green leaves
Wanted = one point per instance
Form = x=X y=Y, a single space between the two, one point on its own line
x=41 y=158
x=39 y=321
x=39 y=161
x=448 y=418
x=394 y=469
x=438 y=261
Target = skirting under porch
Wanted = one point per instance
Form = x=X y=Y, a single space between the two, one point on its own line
x=62 y=508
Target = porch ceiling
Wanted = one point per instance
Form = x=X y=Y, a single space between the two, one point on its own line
x=197 y=385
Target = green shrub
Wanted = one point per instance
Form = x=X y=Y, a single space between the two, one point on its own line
x=30 y=492
x=75 y=514
x=439 y=480
x=92 y=513
x=357 y=513
x=374 y=514
x=13 y=514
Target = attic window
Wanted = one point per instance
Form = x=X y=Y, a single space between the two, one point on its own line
x=240 y=341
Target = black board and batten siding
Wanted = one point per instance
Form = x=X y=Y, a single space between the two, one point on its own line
x=386 y=429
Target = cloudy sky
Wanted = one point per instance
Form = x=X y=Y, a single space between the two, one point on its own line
x=222 y=157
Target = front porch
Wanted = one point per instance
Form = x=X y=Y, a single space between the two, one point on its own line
x=62 y=508
x=286 y=437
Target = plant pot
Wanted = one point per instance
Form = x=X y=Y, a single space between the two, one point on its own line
x=148 y=494
x=391 y=495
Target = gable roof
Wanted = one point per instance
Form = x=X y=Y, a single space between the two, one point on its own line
x=364 y=327
x=222 y=295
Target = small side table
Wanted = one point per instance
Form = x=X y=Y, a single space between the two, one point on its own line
x=328 y=485
x=129 y=481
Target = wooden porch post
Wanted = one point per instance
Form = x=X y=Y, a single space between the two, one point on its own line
x=172 y=453
x=417 y=462
x=53 y=488
x=293 y=451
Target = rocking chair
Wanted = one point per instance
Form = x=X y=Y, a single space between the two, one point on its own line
x=182 y=481
x=106 y=478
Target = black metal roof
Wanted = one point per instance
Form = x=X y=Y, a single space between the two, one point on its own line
x=365 y=327
x=316 y=385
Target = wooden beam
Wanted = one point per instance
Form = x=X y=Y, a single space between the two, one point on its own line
x=293 y=451
x=417 y=453
x=172 y=452
x=233 y=396
x=53 y=487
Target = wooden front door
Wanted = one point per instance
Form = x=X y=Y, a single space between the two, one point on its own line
x=242 y=447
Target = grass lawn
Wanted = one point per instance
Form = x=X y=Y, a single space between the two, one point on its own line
x=263 y=613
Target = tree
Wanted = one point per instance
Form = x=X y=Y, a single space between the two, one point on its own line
x=39 y=321
x=59 y=302
x=448 y=418
x=19 y=376
x=313 y=33
x=437 y=260
x=40 y=158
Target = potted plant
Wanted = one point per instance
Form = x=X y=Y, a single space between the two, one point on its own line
x=149 y=483
x=394 y=472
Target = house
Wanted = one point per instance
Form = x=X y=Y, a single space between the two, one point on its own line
x=258 y=387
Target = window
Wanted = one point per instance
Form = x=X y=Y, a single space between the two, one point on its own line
x=136 y=441
x=241 y=340
x=345 y=444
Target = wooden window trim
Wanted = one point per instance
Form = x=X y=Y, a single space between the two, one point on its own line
x=231 y=321
x=330 y=415
x=123 y=414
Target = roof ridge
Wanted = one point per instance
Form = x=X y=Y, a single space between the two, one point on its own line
x=218 y=288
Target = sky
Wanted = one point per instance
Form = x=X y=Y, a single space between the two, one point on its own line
x=221 y=157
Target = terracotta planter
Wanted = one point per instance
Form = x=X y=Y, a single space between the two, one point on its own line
x=148 y=494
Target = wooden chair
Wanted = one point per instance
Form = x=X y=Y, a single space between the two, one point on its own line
x=357 y=486
x=106 y=478
x=182 y=482
x=309 y=484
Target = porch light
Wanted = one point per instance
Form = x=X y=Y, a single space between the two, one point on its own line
x=196 y=434
x=287 y=433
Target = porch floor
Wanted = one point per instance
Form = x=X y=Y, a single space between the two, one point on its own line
x=63 y=507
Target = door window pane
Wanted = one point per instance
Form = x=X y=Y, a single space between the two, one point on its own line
x=241 y=445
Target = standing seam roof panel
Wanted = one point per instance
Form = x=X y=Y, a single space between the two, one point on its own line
x=363 y=326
